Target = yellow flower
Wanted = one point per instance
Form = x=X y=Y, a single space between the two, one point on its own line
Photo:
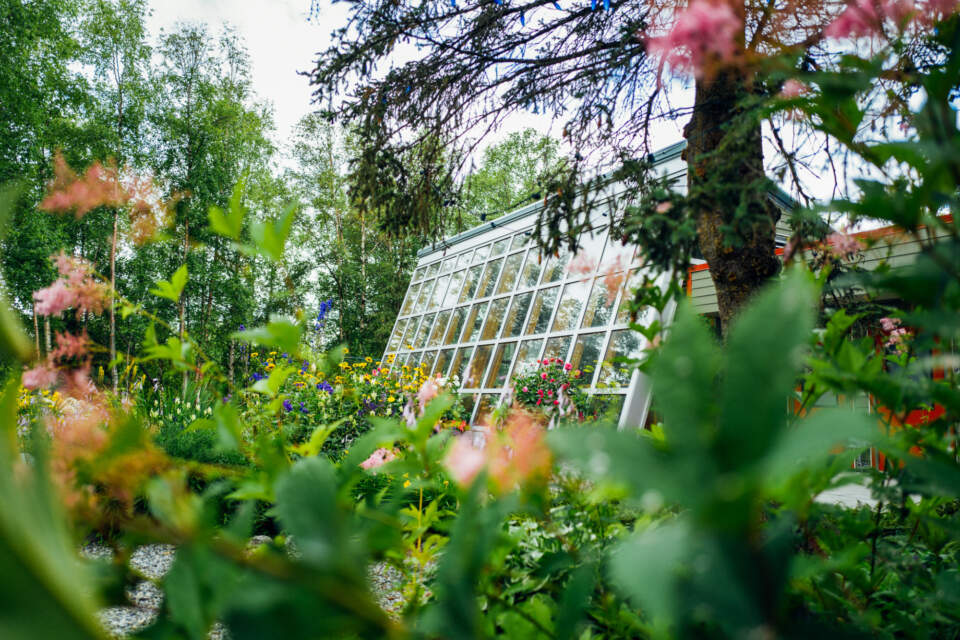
x=345 y=350
x=391 y=399
x=254 y=354
x=368 y=359
x=406 y=484
x=273 y=353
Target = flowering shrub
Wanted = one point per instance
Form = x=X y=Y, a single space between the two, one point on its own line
x=553 y=387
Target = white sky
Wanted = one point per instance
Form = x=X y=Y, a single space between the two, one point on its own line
x=281 y=42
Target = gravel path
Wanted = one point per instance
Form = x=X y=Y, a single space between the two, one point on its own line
x=153 y=561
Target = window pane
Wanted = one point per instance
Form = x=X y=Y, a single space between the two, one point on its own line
x=500 y=367
x=623 y=311
x=527 y=355
x=433 y=269
x=557 y=347
x=616 y=256
x=571 y=303
x=410 y=334
x=474 y=322
x=494 y=319
x=421 y=340
x=447 y=265
x=425 y=292
x=463 y=259
x=623 y=344
x=397 y=335
x=499 y=247
x=556 y=267
x=453 y=291
x=469 y=401
x=531 y=269
x=478 y=366
x=517 y=314
x=414 y=359
x=439 y=329
x=481 y=254
x=488 y=402
x=460 y=362
x=542 y=308
x=418 y=274
x=600 y=306
x=470 y=286
x=456 y=325
x=511 y=269
x=408 y=303
x=438 y=292
x=443 y=361
x=427 y=362
x=518 y=241
x=489 y=280
x=586 y=354
x=588 y=252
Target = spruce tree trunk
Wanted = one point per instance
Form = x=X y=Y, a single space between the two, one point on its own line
x=724 y=158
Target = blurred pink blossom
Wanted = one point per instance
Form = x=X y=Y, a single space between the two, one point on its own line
x=464 y=461
x=865 y=18
x=889 y=324
x=793 y=88
x=70 y=345
x=702 y=32
x=428 y=391
x=378 y=458
x=582 y=263
x=842 y=245
x=55 y=299
x=39 y=377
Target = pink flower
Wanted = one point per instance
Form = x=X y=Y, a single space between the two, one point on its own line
x=70 y=346
x=790 y=249
x=567 y=367
x=464 y=461
x=793 y=88
x=378 y=458
x=525 y=390
x=865 y=18
x=543 y=376
x=428 y=391
x=556 y=402
x=54 y=299
x=889 y=324
x=842 y=245
x=664 y=206
x=703 y=32
x=39 y=377
x=539 y=401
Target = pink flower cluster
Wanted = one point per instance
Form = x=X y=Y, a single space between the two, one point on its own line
x=99 y=187
x=866 y=18
x=704 y=32
x=896 y=334
x=842 y=245
x=378 y=458
x=513 y=457
x=75 y=288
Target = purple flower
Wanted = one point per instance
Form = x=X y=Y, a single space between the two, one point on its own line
x=303 y=409
x=287 y=405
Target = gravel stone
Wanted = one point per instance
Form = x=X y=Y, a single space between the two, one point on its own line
x=96 y=551
x=120 y=622
x=145 y=595
x=153 y=560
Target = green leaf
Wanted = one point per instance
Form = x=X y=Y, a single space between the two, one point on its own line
x=766 y=348
x=282 y=333
x=822 y=435
x=230 y=224
x=272 y=384
x=171 y=290
x=270 y=238
x=645 y=567
x=45 y=591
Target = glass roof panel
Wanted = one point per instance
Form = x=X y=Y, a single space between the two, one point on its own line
x=456 y=325
x=571 y=304
x=634 y=281
x=518 y=241
x=623 y=344
x=464 y=259
x=424 y=296
x=418 y=274
x=433 y=269
x=500 y=366
x=511 y=269
x=439 y=329
x=474 y=322
x=589 y=251
x=481 y=254
x=494 y=319
x=447 y=264
x=438 y=291
x=542 y=310
x=556 y=267
x=407 y=307
x=427 y=363
x=460 y=361
x=453 y=291
x=557 y=347
x=488 y=402
x=531 y=269
x=513 y=325
x=600 y=305
x=421 y=339
x=489 y=280
x=586 y=354
x=470 y=286
x=443 y=361
x=478 y=366
x=527 y=355
x=616 y=256
x=407 y=343
x=394 y=343
x=499 y=247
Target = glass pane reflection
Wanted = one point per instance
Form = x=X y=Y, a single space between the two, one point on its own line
x=541 y=311
x=478 y=366
x=586 y=354
x=600 y=306
x=511 y=269
x=500 y=365
x=623 y=344
x=494 y=319
x=571 y=303
x=474 y=322
x=513 y=326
